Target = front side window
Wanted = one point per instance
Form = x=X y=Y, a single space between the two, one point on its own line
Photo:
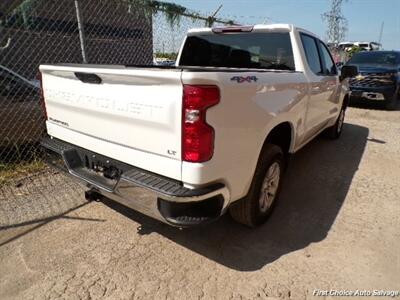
x=329 y=65
x=311 y=51
x=254 y=50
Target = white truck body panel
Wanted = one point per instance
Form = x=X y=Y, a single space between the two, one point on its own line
x=135 y=115
x=243 y=119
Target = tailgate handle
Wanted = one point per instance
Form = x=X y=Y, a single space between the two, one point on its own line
x=88 y=77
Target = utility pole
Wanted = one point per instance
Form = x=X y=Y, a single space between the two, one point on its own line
x=337 y=23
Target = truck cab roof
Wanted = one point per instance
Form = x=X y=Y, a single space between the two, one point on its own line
x=254 y=28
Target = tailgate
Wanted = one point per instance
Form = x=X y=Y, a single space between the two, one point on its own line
x=132 y=115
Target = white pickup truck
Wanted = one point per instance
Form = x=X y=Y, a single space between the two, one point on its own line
x=185 y=143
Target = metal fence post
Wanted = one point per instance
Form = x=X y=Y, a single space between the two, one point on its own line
x=81 y=31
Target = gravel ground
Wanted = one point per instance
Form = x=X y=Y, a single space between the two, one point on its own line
x=337 y=227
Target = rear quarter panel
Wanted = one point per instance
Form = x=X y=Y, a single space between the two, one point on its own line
x=242 y=120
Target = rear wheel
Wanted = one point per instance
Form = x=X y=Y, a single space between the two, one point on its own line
x=257 y=206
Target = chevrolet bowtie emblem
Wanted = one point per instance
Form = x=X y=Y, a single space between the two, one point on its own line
x=360 y=77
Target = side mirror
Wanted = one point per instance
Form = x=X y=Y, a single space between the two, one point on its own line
x=348 y=71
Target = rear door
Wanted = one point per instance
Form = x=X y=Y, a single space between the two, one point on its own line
x=130 y=114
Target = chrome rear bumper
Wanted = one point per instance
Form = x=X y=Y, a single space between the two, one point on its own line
x=156 y=196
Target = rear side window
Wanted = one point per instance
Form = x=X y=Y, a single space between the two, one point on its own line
x=311 y=50
x=256 y=50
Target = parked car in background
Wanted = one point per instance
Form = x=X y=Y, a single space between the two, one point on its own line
x=365 y=46
x=17 y=86
x=21 y=118
x=378 y=78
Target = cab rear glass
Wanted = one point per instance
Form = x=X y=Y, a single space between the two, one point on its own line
x=255 y=50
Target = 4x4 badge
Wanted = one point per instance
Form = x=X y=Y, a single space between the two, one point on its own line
x=240 y=79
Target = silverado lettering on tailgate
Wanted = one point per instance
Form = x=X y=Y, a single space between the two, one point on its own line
x=125 y=106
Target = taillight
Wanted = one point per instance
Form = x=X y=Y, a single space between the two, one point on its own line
x=197 y=135
x=42 y=102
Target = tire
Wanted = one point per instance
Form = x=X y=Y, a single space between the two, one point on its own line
x=250 y=210
x=392 y=103
x=335 y=131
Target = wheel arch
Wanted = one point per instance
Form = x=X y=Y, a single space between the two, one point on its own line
x=281 y=134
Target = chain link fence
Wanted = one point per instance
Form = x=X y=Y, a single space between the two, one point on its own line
x=34 y=32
